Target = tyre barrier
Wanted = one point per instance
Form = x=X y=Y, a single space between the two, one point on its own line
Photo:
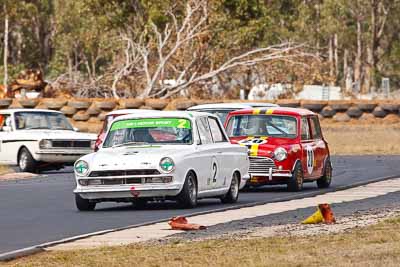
x=93 y=111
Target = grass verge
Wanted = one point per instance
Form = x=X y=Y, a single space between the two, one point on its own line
x=361 y=139
x=377 y=245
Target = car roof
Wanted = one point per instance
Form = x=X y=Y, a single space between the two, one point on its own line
x=130 y=111
x=13 y=110
x=165 y=114
x=233 y=105
x=275 y=111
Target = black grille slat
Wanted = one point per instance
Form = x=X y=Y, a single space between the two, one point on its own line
x=123 y=173
x=70 y=143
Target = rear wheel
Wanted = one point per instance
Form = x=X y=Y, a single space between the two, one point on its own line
x=233 y=193
x=187 y=198
x=326 y=179
x=84 y=204
x=296 y=182
x=26 y=162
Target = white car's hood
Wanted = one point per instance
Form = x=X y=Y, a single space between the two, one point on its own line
x=57 y=134
x=141 y=157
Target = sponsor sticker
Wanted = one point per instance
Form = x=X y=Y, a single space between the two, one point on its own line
x=152 y=123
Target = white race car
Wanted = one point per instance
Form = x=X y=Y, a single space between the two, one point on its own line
x=182 y=156
x=36 y=139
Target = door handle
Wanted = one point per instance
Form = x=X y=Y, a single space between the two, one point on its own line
x=219 y=152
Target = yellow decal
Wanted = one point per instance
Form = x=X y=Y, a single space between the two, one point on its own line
x=256 y=111
x=269 y=111
x=254 y=146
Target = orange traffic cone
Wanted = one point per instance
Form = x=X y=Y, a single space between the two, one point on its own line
x=181 y=223
x=327 y=213
x=323 y=214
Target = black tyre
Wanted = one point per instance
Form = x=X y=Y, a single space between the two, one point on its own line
x=84 y=204
x=295 y=183
x=26 y=162
x=140 y=203
x=233 y=193
x=326 y=179
x=187 y=198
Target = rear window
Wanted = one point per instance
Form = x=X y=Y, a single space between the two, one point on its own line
x=262 y=125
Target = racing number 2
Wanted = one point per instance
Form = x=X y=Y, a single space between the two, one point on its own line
x=214 y=179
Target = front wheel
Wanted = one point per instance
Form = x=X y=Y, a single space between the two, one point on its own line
x=326 y=179
x=84 y=204
x=233 y=193
x=26 y=162
x=295 y=183
x=187 y=198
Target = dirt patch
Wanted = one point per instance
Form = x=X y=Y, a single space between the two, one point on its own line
x=16 y=176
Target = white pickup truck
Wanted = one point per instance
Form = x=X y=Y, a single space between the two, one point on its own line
x=36 y=139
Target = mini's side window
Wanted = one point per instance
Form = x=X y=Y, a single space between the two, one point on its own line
x=204 y=130
x=315 y=128
x=216 y=131
x=305 y=129
x=5 y=120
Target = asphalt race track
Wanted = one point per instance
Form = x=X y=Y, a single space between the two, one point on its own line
x=42 y=209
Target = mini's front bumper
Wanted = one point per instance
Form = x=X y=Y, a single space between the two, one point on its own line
x=129 y=191
x=270 y=177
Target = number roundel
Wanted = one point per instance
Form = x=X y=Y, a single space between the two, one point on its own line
x=310 y=159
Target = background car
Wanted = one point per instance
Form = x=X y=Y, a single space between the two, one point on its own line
x=110 y=117
x=37 y=139
x=286 y=146
x=183 y=156
x=222 y=109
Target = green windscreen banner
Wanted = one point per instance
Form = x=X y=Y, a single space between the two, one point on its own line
x=151 y=123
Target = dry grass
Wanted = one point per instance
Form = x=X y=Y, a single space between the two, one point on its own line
x=4 y=169
x=377 y=245
x=362 y=139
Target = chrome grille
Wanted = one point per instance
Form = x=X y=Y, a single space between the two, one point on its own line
x=261 y=165
x=123 y=173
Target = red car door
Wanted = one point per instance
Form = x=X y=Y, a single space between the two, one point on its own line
x=320 y=152
x=308 y=148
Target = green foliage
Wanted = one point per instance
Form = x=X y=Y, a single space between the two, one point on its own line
x=60 y=36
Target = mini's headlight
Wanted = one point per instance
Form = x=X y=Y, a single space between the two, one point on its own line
x=167 y=165
x=280 y=154
x=81 y=167
x=43 y=144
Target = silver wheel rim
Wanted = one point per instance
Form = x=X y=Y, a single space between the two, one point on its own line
x=23 y=161
x=234 y=186
x=192 y=189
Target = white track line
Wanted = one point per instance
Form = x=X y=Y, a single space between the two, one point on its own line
x=161 y=230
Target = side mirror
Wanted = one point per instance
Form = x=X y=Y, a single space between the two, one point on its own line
x=76 y=129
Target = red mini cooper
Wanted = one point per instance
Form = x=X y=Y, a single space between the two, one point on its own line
x=286 y=146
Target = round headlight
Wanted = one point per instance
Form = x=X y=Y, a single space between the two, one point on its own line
x=81 y=167
x=167 y=165
x=280 y=154
x=45 y=144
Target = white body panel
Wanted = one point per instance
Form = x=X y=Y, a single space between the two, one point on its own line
x=13 y=140
x=194 y=157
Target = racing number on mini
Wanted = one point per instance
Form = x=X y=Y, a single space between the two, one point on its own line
x=310 y=160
